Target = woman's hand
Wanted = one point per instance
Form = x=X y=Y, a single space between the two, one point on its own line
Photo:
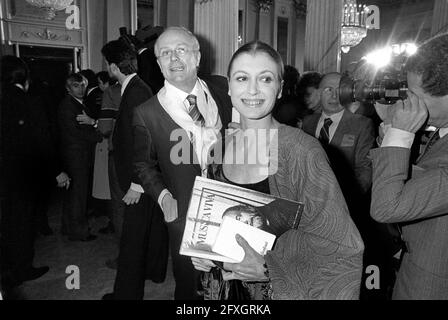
x=250 y=269
x=202 y=264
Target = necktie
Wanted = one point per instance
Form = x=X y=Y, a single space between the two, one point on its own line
x=434 y=138
x=324 y=136
x=194 y=110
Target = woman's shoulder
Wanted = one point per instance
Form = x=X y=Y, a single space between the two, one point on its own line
x=296 y=139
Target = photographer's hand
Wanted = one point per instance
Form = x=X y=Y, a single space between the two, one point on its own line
x=409 y=115
x=384 y=111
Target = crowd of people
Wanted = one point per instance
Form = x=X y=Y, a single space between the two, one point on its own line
x=367 y=201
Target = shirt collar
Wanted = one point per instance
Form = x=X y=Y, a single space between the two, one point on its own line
x=180 y=94
x=142 y=50
x=18 y=85
x=126 y=82
x=91 y=89
x=79 y=100
x=336 y=117
x=443 y=132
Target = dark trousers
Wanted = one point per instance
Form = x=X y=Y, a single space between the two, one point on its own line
x=17 y=232
x=143 y=250
x=186 y=276
x=74 y=214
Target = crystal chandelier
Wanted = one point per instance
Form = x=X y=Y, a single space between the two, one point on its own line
x=50 y=6
x=353 y=26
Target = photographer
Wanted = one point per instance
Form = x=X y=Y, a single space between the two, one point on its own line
x=417 y=197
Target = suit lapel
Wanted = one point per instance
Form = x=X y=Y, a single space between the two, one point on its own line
x=313 y=123
x=341 y=129
x=81 y=107
x=123 y=104
x=172 y=125
x=224 y=116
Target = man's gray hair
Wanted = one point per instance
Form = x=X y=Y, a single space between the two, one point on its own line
x=195 y=40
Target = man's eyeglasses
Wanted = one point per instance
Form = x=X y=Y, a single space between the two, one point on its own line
x=167 y=54
x=330 y=91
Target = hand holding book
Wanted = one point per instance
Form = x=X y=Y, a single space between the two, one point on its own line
x=250 y=269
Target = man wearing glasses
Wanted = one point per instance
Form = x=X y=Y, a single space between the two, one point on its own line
x=174 y=132
x=347 y=138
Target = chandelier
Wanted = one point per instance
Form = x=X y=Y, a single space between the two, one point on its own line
x=50 y=6
x=353 y=26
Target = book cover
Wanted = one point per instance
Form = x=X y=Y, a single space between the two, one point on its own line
x=226 y=244
x=212 y=200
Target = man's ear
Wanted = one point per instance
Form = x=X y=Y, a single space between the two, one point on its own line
x=114 y=68
x=160 y=66
x=198 y=58
x=281 y=90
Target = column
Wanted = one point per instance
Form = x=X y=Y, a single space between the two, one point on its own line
x=440 y=17
x=216 y=26
x=323 y=35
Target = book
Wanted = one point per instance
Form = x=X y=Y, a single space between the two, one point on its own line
x=226 y=244
x=211 y=201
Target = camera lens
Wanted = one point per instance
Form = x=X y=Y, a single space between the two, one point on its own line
x=383 y=90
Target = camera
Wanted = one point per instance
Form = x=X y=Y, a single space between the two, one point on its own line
x=369 y=83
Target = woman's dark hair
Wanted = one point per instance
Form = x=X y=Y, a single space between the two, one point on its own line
x=104 y=77
x=255 y=47
x=14 y=70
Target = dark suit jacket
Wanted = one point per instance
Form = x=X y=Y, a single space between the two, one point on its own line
x=348 y=150
x=153 y=127
x=77 y=141
x=136 y=93
x=149 y=71
x=28 y=149
x=420 y=200
x=93 y=102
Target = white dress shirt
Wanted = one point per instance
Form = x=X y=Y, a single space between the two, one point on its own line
x=174 y=102
x=336 y=118
x=399 y=138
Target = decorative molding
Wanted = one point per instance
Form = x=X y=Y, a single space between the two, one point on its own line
x=263 y=6
x=47 y=34
x=300 y=8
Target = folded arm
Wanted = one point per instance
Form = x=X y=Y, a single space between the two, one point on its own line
x=323 y=258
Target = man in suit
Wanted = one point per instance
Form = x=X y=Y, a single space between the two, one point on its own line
x=417 y=195
x=78 y=136
x=29 y=162
x=193 y=112
x=346 y=137
x=144 y=243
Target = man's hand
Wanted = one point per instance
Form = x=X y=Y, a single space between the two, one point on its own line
x=384 y=111
x=202 y=264
x=250 y=269
x=63 y=180
x=85 y=119
x=132 y=197
x=409 y=115
x=169 y=207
